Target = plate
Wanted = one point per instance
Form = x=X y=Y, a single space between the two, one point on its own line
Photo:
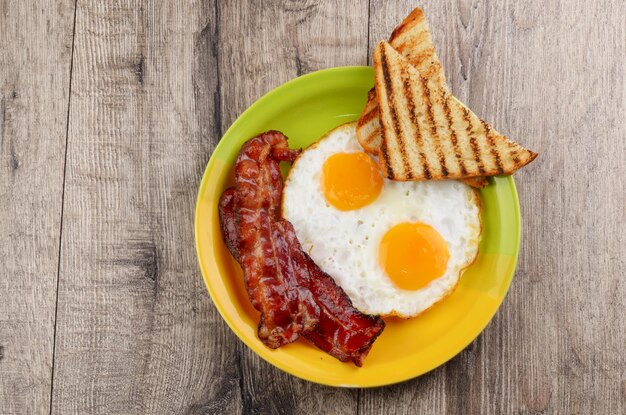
x=304 y=109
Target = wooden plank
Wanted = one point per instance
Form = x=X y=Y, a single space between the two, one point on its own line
x=556 y=345
x=262 y=45
x=136 y=330
x=35 y=57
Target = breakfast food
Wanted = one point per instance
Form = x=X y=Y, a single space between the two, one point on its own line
x=286 y=310
x=430 y=135
x=412 y=39
x=396 y=248
x=376 y=219
x=411 y=156
x=342 y=331
x=294 y=296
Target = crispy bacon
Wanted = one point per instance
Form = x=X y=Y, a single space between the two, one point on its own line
x=295 y=297
x=227 y=221
x=343 y=331
x=262 y=252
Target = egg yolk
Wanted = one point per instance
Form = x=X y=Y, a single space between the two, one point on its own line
x=413 y=254
x=351 y=180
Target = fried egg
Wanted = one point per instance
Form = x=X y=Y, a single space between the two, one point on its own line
x=396 y=248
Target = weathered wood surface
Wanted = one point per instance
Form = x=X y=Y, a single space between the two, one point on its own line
x=154 y=85
x=35 y=58
x=136 y=332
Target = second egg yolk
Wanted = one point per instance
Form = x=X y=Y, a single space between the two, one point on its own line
x=413 y=254
x=351 y=180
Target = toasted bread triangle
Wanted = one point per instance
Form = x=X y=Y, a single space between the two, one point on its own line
x=430 y=135
x=412 y=39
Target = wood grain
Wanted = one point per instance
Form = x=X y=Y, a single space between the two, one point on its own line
x=262 y=45
x=136 y=332
x=155 y=84
x=556 y=345
x=35 y=57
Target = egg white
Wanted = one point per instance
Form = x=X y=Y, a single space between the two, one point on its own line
x=345 y=243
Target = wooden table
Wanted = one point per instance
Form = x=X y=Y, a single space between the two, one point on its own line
x=109 y=111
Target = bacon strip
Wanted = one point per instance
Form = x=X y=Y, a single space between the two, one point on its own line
x=227 y=221
x=295 y=297
x=343 y=331
x=272 y=285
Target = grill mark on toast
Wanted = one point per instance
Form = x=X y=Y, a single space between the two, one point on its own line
x=444 y=169
x=372 y=136
x=400 y=133
x=429 y=106
x=454 y=139
x=492 y=147
x=425 y=166
x=473 y=143
x=384 y=147
x=385 y=154
x=369 y=116
x=433 y=126
x=408 y=92
x=424 y=61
